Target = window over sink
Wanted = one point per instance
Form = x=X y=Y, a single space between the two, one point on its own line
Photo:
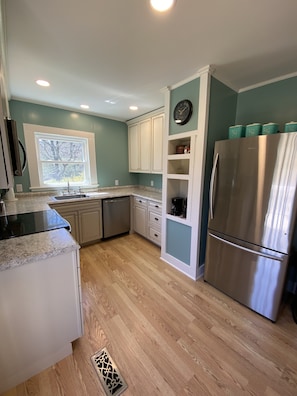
x=59 y=156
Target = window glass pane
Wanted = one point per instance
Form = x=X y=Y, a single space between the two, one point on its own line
x=61 y=150
x=57 y=173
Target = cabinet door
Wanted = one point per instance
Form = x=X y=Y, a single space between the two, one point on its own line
x=40 y=318
x=157 y=143
x=73 y=221
x=90 y=225
x=140 y=220
x=145 y=145
x=134 y=147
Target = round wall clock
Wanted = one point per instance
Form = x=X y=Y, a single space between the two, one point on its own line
x=183 y=112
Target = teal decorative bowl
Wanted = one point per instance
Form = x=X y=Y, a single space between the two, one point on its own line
x=268 y=129
x=236 y=131
x=291 y=126
x=253 y=129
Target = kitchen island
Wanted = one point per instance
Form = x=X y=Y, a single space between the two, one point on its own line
x=40 y=303
x=40 y=296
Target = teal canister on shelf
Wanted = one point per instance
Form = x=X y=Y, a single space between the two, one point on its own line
x=253 y=129
x=270 y=128
x=291 y=126
x=236 y=131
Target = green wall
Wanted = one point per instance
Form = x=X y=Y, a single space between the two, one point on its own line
x=178 y=241
x=189 y=91
x=274 y=102
x=144 y=179
x=111 y=139
x=222 y=112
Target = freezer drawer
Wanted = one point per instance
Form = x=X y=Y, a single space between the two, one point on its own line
x=254 y=278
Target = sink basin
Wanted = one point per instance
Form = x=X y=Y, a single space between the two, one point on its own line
x=96 y=194
x=70 y=196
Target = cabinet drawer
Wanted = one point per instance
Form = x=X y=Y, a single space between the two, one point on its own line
x=140 y=201
x=155 y=220
x=155 y=206
x=155 y=236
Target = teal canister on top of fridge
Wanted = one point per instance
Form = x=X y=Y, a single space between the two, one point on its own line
x=268 y=129
x=291 y=126
x=253 y=129
x=236 y=131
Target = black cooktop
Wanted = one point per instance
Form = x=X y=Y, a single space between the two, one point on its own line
x=30 y=223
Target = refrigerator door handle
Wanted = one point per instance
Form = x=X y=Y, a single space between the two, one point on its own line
x=212 y=180
x=244 y=248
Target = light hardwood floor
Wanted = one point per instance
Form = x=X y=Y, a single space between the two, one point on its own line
x=167 y=334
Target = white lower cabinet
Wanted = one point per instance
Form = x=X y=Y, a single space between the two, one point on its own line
x=155 y=221
x=40 y=315
x=90 y=224
x=147 y=215
x=140 y=216
x=85 y=219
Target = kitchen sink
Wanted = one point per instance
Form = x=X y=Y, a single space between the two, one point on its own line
x=70 y=196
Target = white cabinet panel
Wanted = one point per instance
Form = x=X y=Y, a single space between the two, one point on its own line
x=147 y=216
x=90 y=225
x=140 y=216
x=146 y=145
x=40 y=316
x=85 y=219
x=157 y=143
x=134 y=147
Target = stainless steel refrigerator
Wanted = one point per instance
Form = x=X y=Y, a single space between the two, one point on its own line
x=252 y=217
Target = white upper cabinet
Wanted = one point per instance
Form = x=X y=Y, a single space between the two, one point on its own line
x=145 y=144
x=145 y=136
x=134 y=146
x=157 y=143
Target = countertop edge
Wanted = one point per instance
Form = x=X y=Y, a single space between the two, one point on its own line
x=36 y=247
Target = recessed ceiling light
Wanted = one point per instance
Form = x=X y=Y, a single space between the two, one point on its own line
x=84 y=106
x=133 y=108
x=162 y=5
x=43 y=83
x=110 y=101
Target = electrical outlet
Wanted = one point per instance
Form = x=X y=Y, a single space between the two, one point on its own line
x=19 y=187
x=116 y=182
x=152 y=183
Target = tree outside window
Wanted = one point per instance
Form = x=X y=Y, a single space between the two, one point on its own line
x=62 y=159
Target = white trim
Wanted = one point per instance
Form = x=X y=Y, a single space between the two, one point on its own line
x=29 y=133
x=145 y=116
x=224 y=81
x=210 y=69
x=273 y=80
x=179 y=265
x=66 y=108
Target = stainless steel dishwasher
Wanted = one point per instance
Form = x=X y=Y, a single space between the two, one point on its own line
x=116 y=216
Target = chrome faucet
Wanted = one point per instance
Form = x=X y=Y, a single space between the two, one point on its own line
x=68 y=187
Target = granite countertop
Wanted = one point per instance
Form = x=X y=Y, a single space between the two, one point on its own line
x=35 y=247
x=22 y=250
x=31 y=202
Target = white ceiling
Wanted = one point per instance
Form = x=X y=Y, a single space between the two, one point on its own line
x=120 y=50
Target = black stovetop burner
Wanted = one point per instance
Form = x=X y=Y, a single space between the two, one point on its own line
x=30 y=223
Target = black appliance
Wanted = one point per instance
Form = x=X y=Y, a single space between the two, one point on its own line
x=15 y=145
x=178 y=206
x=20 y=224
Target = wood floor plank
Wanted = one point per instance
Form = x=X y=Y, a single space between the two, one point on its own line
x=168 y=334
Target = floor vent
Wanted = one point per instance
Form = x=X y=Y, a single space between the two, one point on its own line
x=108 y=373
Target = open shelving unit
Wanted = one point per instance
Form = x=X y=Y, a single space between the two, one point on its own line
x=179 y=172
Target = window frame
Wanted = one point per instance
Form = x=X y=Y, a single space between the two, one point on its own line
x=32 y=155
